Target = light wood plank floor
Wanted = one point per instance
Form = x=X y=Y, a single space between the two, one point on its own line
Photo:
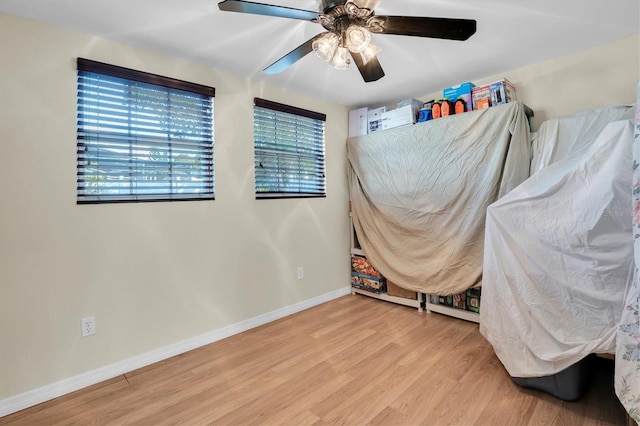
x=354 y=360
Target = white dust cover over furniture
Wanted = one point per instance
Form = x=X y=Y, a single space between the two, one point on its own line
x=559 y=254
x=419 y=194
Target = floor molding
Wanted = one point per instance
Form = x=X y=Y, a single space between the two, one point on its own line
x=63 y=387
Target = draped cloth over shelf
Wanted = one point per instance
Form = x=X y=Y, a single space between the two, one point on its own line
x=419 y=194
x=559 y=248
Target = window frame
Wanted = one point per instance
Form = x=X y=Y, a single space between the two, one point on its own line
x=320 y=160
x=207 y=164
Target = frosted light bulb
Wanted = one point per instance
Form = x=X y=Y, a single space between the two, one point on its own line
x=358 y=38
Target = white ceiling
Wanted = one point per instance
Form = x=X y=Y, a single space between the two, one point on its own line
x=511 y=34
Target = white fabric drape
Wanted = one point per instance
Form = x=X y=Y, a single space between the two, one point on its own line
x=419 y=194
x=558 y=259
x=570 y=136
x=627 y=376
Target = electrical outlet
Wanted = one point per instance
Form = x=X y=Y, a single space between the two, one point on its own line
x=300 y=272
x=88 y=326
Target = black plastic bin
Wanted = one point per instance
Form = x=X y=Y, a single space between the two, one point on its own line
x=569 y=384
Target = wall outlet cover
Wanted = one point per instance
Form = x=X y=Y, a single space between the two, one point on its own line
x=88 y=326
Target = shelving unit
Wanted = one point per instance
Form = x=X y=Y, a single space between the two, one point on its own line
x=452 y=312
x=417 y=303
x=410 y=135
x=414 y=303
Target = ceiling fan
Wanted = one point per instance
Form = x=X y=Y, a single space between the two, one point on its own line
x=349 y=24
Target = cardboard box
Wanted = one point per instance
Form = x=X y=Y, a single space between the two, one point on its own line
x=460 y=91
x=460 y=301
x=374 y=119
x=473 y=300
x=358 y=122
x=368 y=284
x=483 y=104
x=416 y=105
x=481 y=97
x=402 y=116
x=502 y=92
x=365 y=276
x=395 y=290
x=445 y=300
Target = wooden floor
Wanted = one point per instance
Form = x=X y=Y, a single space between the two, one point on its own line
x=354 y=360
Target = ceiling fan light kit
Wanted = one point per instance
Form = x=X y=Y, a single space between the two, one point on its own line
x=349 y=24
x=370 y=53
x=326 y=45
x=334 y=47
x=358 y=38
x=340 y=60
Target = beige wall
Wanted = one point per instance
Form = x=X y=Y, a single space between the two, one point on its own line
x=151 y=273
x=600 y=76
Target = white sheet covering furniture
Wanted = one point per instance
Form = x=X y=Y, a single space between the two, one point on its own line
x=570 y=136
x=627 y=377
x=559 y=249
x=419 y=194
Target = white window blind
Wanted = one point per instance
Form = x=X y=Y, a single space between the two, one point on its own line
x=142 y=137
x=289 y=151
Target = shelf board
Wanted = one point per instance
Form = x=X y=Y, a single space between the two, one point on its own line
x=453 y=312
x=414 y=303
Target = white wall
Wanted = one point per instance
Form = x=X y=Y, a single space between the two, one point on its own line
x=151 y=273
x=603 y=75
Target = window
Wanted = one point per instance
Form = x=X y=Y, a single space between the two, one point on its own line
x=289 y=151
x=142 y=137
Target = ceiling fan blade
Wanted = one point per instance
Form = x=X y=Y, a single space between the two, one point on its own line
x=290 y=58
x=266 y=9
x=446 y=28
x=371 y=71
x=367 y=4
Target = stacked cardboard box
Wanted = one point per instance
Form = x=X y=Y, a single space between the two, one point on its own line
x=397 y=291
x=397 y=117
x=473 y=300
x=365 y=276
x=445 y=300
x=460 y=301
x=481 y=96
x=502 y=92
x=375 y=119
x=407 y=112
x=358 y=122
x=461 y=91
x=496 y=93
x=468 y=300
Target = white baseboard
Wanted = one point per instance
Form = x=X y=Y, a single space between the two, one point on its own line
x=63 y=387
